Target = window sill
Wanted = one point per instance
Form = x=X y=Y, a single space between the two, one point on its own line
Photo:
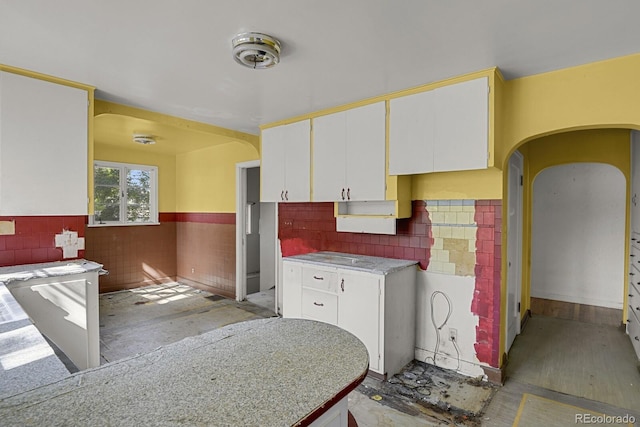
x=133 y=224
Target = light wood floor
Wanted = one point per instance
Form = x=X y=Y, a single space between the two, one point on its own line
x=583 y=364
x=579 y=312
x=582 y=359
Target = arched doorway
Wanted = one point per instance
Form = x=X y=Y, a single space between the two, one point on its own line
x=574 y=251
x=578 y=235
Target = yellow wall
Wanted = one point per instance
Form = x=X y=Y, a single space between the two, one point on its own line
x=481 y=184
x=598 y=95
x=166 y=170
x=206 y=178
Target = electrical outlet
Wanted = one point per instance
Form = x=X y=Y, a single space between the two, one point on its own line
x=453 y=334
x=193 y=270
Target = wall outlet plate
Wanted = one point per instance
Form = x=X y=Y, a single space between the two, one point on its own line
x=453 y=334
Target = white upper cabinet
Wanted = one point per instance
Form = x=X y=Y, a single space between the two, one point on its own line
x=442 y=130
x=43 y=147
x=412 y=134
x=462 y=126
x=285 y=167
x=349 y=155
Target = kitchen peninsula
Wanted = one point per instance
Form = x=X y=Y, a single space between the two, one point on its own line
x=268 y=372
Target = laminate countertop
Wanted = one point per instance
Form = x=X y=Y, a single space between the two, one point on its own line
x=267 y=372
x=47 y=269
x=371 y=264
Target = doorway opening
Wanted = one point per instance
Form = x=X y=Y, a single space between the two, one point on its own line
x=255 y=237
x=573 y=223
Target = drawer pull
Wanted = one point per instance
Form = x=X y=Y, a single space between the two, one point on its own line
x=342 y=285
x=319 y=304
x=630 y=295
x=632 y=255
x=631 y=274
x=318 y=278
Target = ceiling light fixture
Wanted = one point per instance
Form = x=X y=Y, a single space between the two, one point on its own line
x=256 y=50
x=144 y=139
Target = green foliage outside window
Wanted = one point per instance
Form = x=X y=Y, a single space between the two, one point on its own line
x=110 y=195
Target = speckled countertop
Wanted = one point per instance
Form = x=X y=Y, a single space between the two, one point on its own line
x=370 y=264
x=268 y=372
x=47 y=269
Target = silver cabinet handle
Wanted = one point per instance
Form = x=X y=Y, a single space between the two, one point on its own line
x=343 y=194
x=318 y=278
x=282 y=195
x=286 y=195
x=319 y=304
x=348 y=194
x=342 y=285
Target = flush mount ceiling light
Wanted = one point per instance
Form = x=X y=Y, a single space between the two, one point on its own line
x=256 y=50
x=144 y=139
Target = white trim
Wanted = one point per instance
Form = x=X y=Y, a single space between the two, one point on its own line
x=514 y=253
x=241 y=201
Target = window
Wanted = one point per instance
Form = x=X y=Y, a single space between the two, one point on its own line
x=124 y=194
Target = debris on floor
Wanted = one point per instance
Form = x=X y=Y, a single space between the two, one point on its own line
x=421 y=389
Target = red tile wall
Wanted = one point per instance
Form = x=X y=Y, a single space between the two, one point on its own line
x=34 y=241
x=137 y=256
x=311 y=227
x=134 y=255
x=206 y=251
x=486 y=301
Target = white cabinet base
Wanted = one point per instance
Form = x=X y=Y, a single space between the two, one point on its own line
x=65 y=310
x=371 y=297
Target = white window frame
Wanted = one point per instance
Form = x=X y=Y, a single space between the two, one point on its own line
x=153 y=196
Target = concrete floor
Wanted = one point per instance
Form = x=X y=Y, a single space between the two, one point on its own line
x=266 y=299
x=139 y=320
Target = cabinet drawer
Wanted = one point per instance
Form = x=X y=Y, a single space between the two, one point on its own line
x=319 y=306
x=634 y=259
x=633 y=329
x=634 y=295
x=322 y=279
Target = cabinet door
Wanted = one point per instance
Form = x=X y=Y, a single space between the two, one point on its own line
x=329 y=162
x=412 y=134
x=297 y=173
x=272 y=165
x=359 y=312
x=291 y=290
x=43 y=141
x=365 y=153
x=462 y=126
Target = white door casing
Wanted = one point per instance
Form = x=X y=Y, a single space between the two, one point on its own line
x=514 y=248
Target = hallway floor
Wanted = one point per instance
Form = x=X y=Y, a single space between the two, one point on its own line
x=540 y=384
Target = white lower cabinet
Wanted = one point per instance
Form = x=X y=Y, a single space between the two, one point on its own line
x=377 y=307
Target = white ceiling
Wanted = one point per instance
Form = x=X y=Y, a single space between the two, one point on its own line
x=174 y=57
